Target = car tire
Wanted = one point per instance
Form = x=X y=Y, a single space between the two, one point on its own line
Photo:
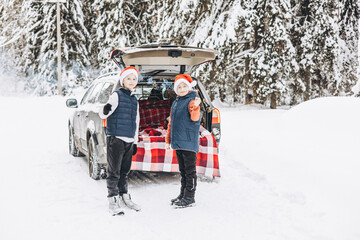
x=94 y=166
x=72 y=146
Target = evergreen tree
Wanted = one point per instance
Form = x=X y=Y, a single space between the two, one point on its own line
x=323 y=50
x=32 y=12
x=348 y=21
x=10 y=23
x=325 y=33
x=11 y=43
x=41 y=47
x=45 y=77
x=282 y=52
x=271 y=65
x=179 y=20
x=122 y=24
x=91 y=42
x=75 y=44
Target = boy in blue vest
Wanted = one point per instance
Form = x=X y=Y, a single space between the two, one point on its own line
x=122 y=113
x=183 y=135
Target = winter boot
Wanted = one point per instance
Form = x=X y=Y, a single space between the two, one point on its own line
x=177 y=199
x=129 y=203
x=114 y=206
x=185 y=202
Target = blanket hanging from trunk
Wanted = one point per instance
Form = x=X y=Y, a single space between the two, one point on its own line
x=152 y=155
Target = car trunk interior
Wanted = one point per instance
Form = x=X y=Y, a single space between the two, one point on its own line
x=156 y=95
x=155 y=100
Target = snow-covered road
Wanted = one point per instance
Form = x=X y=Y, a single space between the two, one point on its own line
x=46 y=193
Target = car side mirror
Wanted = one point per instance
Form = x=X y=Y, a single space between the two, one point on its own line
x=71 y=103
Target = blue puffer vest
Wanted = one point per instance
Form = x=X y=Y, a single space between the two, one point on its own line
x=122 y=122
x=184 y=132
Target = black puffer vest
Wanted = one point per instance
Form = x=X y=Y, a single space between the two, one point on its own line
x=122 y=122
x=184 y=132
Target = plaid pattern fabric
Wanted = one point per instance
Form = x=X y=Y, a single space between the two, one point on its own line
x=146 y=104
x=152 y=156
x=153 y=117
x=154 y=113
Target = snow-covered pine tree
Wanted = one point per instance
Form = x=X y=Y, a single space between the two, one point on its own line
x=45 y=77
x=326 y=32
x=11 y=43
x=348 y=20
x=2 y=22
x=226 y=33
x=75 y=43
x=178 y=20
x=10 y=23
x=41 y=47
x=320 y=49
x=122 y=24
x=212 y=31
x=91 y=42
x=209 y=24
x=32 y=12
x=303 y=43
x=272 y=64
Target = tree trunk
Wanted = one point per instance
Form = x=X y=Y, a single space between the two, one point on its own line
x=248 y=97
x=273 y=100
x=307 y=85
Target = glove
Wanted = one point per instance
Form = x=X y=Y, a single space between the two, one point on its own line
x=107 y=109
x=134 y=149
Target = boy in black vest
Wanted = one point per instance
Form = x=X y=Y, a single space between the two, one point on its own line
x=122 y=113
x=183 y=134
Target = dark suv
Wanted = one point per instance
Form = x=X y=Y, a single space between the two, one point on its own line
x=158 y=65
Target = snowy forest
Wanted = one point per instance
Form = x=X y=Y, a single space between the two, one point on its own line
x=271 y=52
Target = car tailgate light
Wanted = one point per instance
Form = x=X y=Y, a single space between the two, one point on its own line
x=104 y=122
x=215 y=116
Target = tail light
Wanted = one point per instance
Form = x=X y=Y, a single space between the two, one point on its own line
x=104 y=122
x=215 y=129
x=215 y=116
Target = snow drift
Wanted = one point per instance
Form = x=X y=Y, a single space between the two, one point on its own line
x=286 y=174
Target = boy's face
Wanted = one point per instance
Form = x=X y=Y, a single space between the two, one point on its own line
x=130 y=81
x=182 y=89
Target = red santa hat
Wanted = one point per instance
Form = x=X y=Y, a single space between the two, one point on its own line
x=127 y=71
x=184 y=78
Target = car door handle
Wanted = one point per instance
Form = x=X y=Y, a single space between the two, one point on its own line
x=86 y=116
x=78 y=114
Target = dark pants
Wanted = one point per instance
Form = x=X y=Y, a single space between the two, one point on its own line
x=119 y=155
x=187 y=167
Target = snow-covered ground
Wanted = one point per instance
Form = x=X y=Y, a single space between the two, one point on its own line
x=286 y=174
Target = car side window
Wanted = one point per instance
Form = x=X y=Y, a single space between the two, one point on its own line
x=95 y=93
x=105 y=92
x=86 y=95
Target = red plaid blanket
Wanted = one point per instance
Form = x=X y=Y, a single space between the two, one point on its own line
x=152 y=155
x=154 y=104
x=154 y=113
x=153 y=117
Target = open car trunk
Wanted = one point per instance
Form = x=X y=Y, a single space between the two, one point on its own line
x=158 y=65
x=155 y=108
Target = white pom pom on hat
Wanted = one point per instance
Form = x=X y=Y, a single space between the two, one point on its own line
x=127 y=71
x=184 y=78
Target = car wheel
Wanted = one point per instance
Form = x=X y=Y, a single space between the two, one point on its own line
x=72 y=147
x=94 y=167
